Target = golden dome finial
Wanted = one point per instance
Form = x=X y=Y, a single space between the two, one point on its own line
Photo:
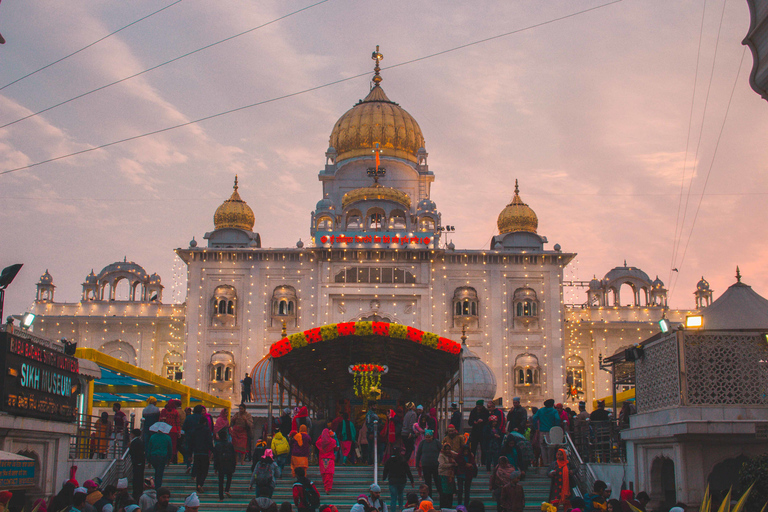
x=377 y=56
x=374 y=119
x=517 y=216
x=234 y=212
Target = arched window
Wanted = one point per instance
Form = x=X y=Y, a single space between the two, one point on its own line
x=284 y=305
x=324 y=223
x=427 y=224
x=465 y=306
x=397 y=220
x=354 y=220
x=575 y=372
x=222 y=368
x=378 y=275
x=375 y=220
x=225 y=306
x=525 y=303
x=172 y=366
x=527 y=371
x=122 y=289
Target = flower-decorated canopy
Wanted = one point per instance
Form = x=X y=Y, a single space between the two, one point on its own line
x=317 y=360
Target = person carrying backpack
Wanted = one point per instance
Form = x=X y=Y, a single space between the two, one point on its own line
x=305 y=494
x=595 y=501
x=224 y=459
x=264 y=476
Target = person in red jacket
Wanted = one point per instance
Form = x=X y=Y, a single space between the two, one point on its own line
x=305 y=495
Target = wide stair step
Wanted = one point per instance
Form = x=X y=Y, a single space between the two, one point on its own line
x=348 y=483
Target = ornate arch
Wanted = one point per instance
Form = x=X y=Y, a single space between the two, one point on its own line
x=119 y=349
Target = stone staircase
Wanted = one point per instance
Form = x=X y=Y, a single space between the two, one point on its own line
x=349 y=482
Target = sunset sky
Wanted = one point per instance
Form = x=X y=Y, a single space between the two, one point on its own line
x=594 y=113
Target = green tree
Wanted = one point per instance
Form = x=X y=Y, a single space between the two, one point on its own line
x=755 y=470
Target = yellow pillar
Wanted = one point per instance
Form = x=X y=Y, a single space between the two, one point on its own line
x=89 y=399
x=185 y=401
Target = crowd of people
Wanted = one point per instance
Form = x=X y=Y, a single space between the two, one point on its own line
x=442 y=458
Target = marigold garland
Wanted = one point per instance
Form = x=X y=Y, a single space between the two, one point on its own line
x=366 y=378
x=333 y=331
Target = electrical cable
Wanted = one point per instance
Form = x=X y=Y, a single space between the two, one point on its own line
x=698 y=144
x=687 y=142
x=88 y=45
x=186 y=199
x=297 y=93
x=124 y=79
x=711 y=164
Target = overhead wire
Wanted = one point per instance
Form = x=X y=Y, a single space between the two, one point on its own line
x=125 y=79
x=304 y=91
x=88 y=45
x=687 y=143
x=712 y=163
x=189 y=199
x=677 y=265
x=698 y=144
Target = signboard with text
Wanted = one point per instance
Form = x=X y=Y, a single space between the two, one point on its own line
x=17 y=473
x=37 y=381
x=375 y=240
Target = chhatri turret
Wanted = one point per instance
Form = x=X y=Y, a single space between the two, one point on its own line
x=233 y=224
x=518 y=225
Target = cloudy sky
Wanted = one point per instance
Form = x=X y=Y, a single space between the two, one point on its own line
x=595 y=114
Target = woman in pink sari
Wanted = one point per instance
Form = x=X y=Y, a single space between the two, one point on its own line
x=222 y=422
x=327 y=447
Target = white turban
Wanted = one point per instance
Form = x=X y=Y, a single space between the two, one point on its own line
x=192 y=500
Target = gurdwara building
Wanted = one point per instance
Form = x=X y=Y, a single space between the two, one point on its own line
x=377 y=251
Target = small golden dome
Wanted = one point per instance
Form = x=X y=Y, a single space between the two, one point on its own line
x=234 y=213
x=517 y=216
x=376 y=191
x=377 y=119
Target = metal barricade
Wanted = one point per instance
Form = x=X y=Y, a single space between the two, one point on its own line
x=599 y=442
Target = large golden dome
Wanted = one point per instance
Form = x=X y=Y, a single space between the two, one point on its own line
x=517 y=216
x=377 y=119
x=376 y=192
x=234 y=213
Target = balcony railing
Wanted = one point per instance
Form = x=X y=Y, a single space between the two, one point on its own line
x=94 y=440
x=599 y=442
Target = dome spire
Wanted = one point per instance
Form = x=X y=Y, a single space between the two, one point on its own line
x=234 y=212
x=738 y=274
x=377 y=57
x=517 y=216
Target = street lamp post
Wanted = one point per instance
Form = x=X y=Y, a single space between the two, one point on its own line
x=6 y=277
x=376 y=451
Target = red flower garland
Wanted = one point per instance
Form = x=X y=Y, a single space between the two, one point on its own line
x=313 y=335
x=346 y=328
x=283 y=347
x=367 y=368
x=415 y=334
x=381 y=328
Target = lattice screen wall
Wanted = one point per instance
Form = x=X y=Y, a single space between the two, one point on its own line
x=726 y=369
x=657 y=376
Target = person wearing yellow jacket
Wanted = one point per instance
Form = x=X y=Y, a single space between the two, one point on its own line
x=281 y=449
